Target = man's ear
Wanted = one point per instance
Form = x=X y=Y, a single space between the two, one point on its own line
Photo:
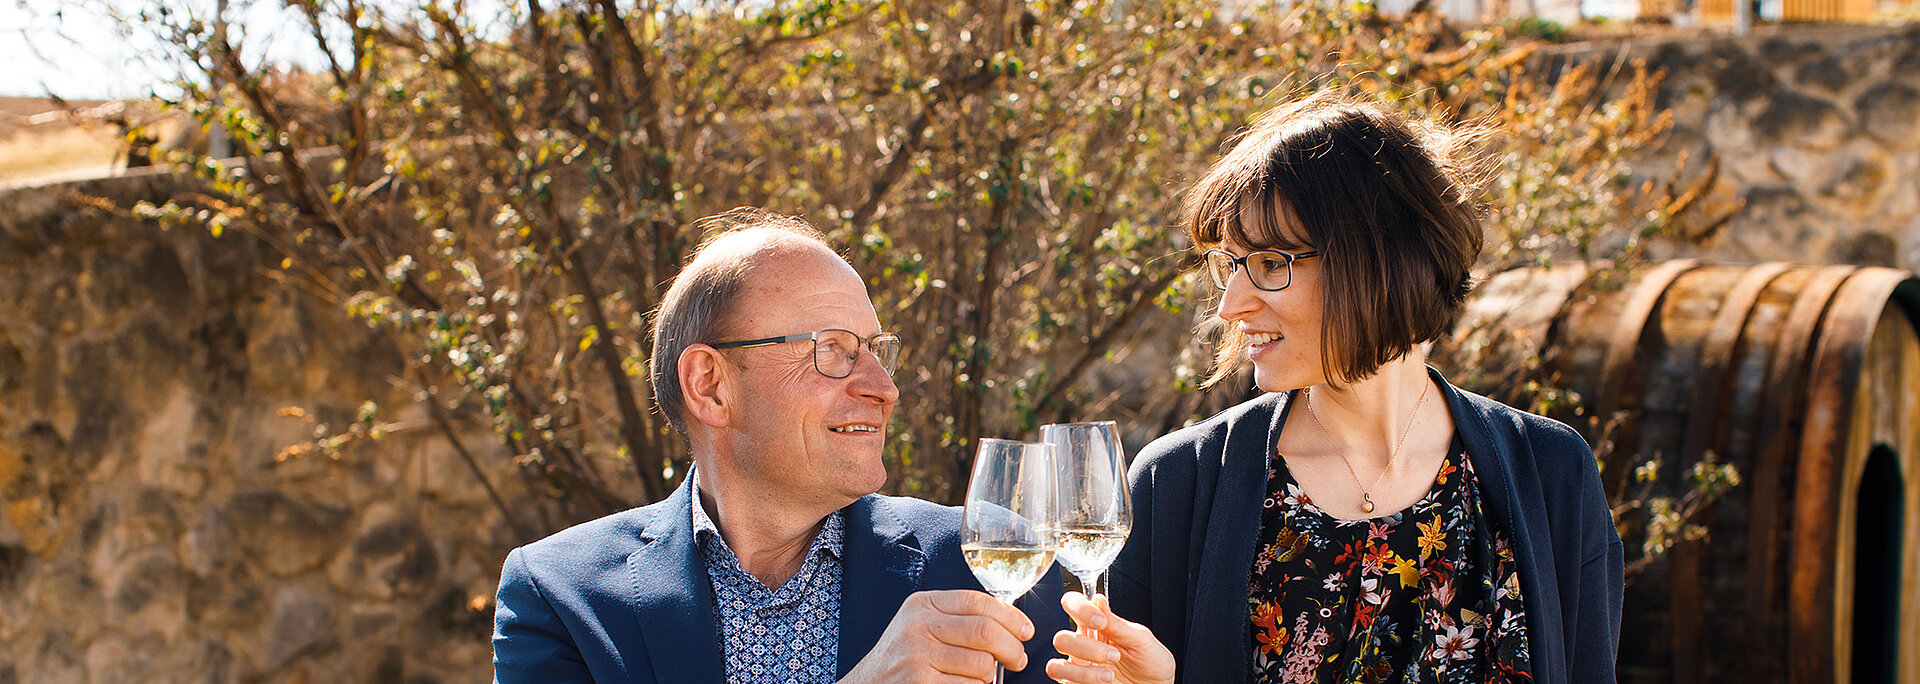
x=706 y=385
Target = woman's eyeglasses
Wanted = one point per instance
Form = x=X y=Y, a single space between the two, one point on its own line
x=1267 y=269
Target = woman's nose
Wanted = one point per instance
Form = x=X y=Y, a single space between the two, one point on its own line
x=1238 y=299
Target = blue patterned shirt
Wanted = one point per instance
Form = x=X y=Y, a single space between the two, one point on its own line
x=789 y=635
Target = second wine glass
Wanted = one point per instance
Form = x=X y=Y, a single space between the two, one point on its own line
x=1095 y=511
x=1007 y=529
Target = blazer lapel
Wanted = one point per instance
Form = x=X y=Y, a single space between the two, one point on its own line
x=880 y=567
x=673 y=599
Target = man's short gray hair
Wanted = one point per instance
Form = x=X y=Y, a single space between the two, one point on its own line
x=698 y=302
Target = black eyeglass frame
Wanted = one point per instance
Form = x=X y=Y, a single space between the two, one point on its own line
x=1240 y=264
x=866 y=343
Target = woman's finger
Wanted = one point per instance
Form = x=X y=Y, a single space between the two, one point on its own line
x=1086 y=614
x=1084 y=648
x=1070 y=673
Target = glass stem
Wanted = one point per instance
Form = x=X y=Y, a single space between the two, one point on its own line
x=1000 y=671
x=1090 y=585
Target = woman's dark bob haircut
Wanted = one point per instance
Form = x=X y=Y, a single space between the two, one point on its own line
x=1381 y=196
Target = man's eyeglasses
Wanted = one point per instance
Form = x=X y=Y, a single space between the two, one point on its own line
x=1267 y=269
x=835 y=351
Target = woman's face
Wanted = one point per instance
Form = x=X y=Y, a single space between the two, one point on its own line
x=1283 y=326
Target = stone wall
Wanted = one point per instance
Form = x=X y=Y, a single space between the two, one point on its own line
x=1817 y=130
x=146 y=531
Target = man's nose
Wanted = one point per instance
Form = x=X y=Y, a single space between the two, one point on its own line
x=871 y=380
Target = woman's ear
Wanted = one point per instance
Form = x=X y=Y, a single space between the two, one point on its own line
x=706 y=385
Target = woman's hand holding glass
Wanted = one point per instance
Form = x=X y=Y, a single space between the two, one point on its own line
x=1095 y=516
x=1107 y=648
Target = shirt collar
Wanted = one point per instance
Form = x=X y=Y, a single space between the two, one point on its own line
x=829 y=541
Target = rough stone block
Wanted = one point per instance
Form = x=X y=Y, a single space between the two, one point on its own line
x=1862 y=178
x=444 y=475
x=1780 y=50
x=452 y=615
x=1824 y=73
x=1730 y=128
x=1740 y=74
x=163 y=444
x=286 y=535
x=1910 y=254
x=282 y=361
x=391 y=667
x=113 y=660
x=209 y=545
x=1806 y=170
x=153 y=577
x=1904 y=201
x=1907 y=67
x=1802 y=121
x=388 y=557
x=58 y=658
x=371 y=619
x=13 y=365
x=1770 y=205
x=302 y=625
x=1690 y=108
x=1869 y=248
x=151 y=512
x=66 y=592
x=1890 y=112
x=231 y=599
x=15 y=563
x=211 y=664
x=105 y=419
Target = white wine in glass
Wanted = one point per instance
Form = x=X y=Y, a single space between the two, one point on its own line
x=1095 y=512
x=1007 y=531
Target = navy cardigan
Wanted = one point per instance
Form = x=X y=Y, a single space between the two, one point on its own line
x=1197 y=496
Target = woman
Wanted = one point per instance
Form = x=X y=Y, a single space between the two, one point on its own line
x=1362 y=520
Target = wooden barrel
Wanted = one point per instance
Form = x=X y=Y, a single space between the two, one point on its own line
x=1805 y=378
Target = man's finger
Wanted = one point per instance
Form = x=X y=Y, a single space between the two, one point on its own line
x=980 y=634
x=970 y=664
x=965 y=602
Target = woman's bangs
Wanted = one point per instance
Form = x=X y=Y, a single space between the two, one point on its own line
x=1263 y=220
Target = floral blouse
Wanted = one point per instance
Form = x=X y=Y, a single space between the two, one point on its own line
x=1428 y=594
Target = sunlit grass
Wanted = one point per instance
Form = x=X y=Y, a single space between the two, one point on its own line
x=65 y=152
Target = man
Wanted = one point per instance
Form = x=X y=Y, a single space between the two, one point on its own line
x=774 y=561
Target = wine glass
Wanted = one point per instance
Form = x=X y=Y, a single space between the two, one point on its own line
x=1007 y=529
x=1095 y=511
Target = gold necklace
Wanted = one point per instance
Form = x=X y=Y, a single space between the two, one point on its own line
x=1366 y=492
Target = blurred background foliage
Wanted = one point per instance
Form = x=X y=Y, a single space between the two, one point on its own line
x=509 y=204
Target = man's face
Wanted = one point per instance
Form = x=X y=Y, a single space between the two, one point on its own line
x=807 y=435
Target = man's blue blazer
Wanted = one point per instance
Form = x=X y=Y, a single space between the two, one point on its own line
x=626 y=598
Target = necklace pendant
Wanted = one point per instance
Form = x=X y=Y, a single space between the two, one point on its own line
x=1366 y=503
